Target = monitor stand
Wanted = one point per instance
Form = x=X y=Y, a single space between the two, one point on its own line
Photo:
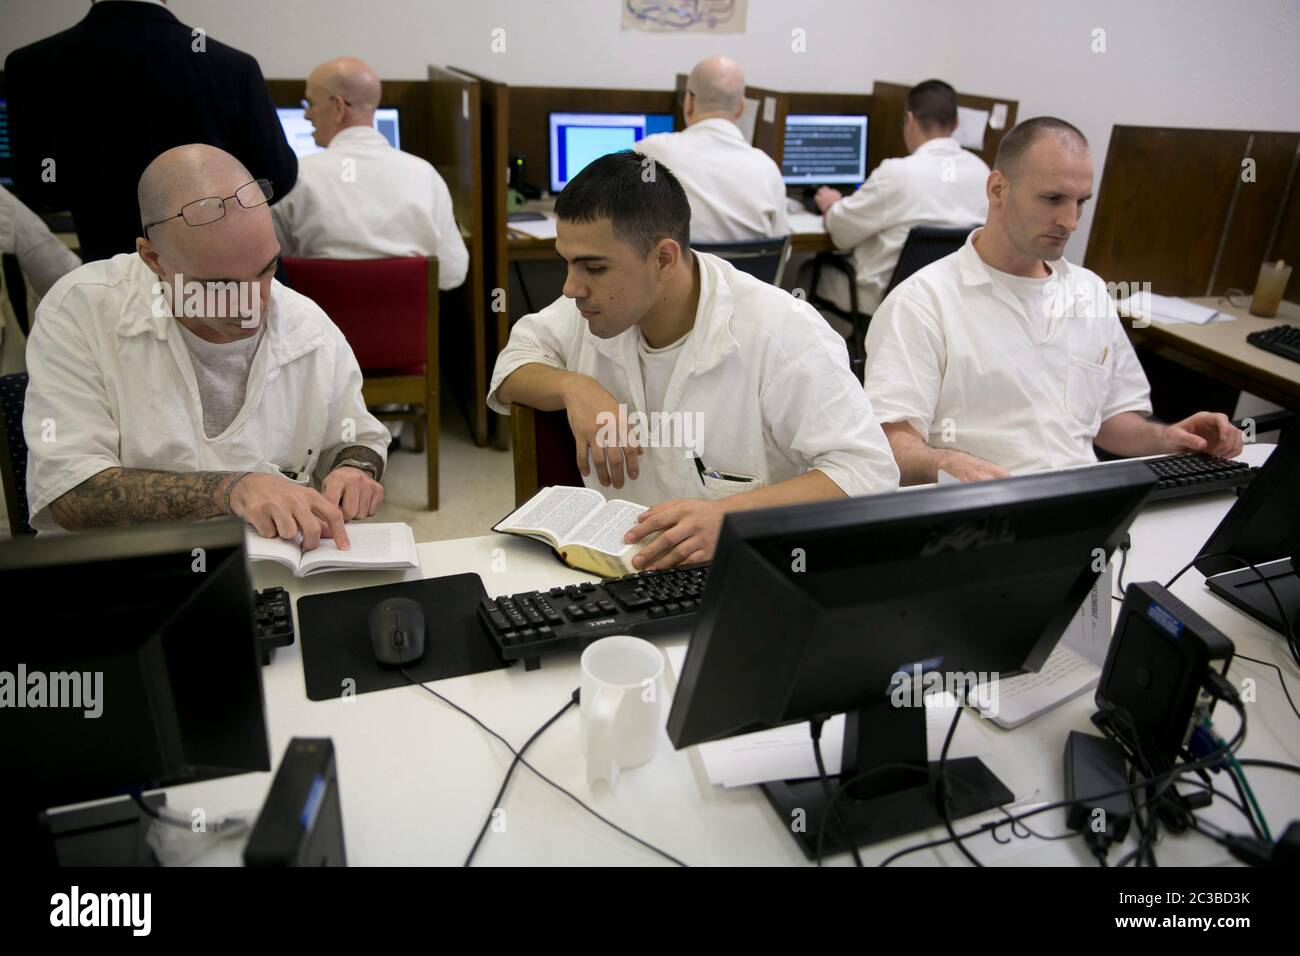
x=1244 y=590
x=891 y=801
x=104 y=834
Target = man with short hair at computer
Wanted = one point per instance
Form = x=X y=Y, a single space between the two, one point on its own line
x=938 y=184
x=646 y=325
x=361 y=198
x=183 y=382
x=1003 y=357
x=735 y=190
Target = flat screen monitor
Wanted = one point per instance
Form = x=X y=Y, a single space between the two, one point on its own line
x=824 y=150
x=578 y=138
x=298 y=129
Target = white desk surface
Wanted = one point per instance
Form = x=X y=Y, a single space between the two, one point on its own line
x=417 y=779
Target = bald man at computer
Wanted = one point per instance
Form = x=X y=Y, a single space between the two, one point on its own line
x=736 y=191
x=360 y=198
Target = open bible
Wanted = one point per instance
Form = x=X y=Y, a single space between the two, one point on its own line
x=375 y=547
x=585 y=530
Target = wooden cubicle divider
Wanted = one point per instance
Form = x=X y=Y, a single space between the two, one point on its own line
x=456 y=113
x=1195 y=211
x=531 y=105
x=494 y=100
x=769 y=125
x=889 y=105
x=833 y=104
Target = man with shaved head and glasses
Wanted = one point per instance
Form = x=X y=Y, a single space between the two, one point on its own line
x=184 y=382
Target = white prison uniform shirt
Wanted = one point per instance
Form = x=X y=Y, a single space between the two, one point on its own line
x=762 y=373
x=735 y=190
x=940 y=184
x=362 y=199
x=114 y=384
x=952 y=352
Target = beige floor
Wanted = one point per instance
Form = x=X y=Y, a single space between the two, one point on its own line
x=477 y=486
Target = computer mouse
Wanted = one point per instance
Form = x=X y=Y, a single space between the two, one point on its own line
x=397 y=631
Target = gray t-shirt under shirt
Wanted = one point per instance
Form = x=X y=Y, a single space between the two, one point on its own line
x=221 y=371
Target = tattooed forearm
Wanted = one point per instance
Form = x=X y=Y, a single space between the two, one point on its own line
x=122 y=496
x=361 y=453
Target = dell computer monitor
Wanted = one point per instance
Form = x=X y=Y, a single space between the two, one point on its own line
x=578 y=138
x=135 y=656
x=814 y=610
x=823 y=150
x=1262 y=527
x=298 y=129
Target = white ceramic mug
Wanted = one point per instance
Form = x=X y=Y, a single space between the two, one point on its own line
x=622 y=683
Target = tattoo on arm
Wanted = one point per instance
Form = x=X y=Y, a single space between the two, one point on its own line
x=361 y=453
x=123 y=496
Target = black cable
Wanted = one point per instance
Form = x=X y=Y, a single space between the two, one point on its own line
x=815 y=729
x=1271 y=764
x=144 y=807
x=1281 y=677
x=1124 y=547
x=1209 y=760
x=1288 y=630
x=496 y=802
x=943 y=790
x=553 y=784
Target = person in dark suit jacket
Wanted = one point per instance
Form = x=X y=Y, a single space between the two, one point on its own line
x=106 y=96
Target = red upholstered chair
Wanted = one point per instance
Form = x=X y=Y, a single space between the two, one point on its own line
x=544 y=449
x=388 y=312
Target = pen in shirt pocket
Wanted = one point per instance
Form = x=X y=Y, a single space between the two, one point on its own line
x=1105 y=354
x=715 y=475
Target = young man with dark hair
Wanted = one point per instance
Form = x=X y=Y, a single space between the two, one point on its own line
x=1003 y=357
x=747 y=392
x=937 y=184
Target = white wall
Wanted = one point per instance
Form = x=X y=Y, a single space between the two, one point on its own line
x=1205 y=63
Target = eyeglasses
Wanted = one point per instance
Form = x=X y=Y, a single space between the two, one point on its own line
x=200 y=212
x=307 y=104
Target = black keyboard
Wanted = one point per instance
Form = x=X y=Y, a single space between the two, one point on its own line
x=1283 y=340
x=272 y=621
x=1195 y=474
x=532 y=624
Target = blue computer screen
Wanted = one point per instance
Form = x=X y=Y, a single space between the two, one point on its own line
x=578 y=138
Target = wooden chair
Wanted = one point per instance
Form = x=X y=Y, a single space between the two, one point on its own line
x=544 y=451
x=388 y=311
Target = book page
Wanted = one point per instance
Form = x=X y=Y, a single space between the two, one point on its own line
x=556 y=510
x=373 y=545
x=278 y=550
x=1063 y=675
x=604 y=530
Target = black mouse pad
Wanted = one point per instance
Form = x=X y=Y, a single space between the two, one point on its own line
x=334 y=632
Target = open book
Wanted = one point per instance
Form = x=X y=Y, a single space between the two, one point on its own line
x=1073 y=667
x=583 y=528
x=375 y=547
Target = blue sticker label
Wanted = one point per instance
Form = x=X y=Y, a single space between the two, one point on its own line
x=314 y=797
x=1166 y=620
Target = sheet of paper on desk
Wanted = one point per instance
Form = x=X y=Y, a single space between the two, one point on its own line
x=804 y=221
x=536 y=228
x=1169 y=310
x=970 y=127
x=785 y=753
